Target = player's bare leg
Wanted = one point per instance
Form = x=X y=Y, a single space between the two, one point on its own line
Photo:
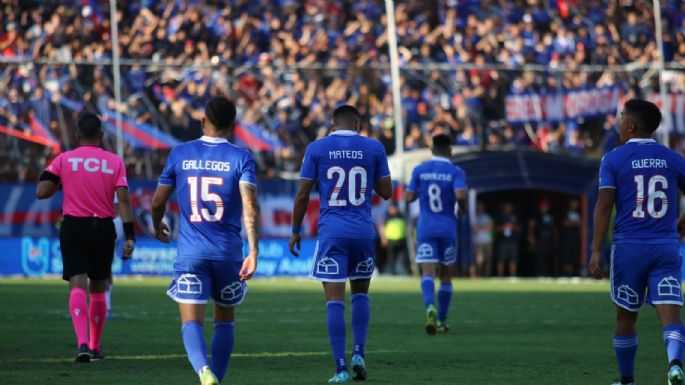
x=222 y=340
x=500 y=269
x=192 y=320
x=78 y=309
x=444 y=296
x=513 y=266
x=428 y=272
x=625 y=343
x=335 y=314
x=361 y=313
x=674 y=339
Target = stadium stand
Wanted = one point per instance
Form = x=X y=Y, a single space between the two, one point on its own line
x=288 y=64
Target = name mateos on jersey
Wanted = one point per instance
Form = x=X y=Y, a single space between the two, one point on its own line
x=345 y=154
x=649 y=163
x=436 y=176
x=206 y=165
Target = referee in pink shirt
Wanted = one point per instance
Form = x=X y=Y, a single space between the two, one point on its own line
x=89 y=176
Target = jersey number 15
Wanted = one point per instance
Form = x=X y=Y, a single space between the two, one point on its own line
x=206 y=196
x=653 y=193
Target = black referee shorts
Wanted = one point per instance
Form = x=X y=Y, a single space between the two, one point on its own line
x=87 y=247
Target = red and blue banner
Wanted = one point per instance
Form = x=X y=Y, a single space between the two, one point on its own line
x=561 y=106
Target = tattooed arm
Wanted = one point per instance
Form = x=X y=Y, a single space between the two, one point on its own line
x=248 y=193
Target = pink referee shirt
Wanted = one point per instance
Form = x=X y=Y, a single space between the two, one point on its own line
x=89 y=176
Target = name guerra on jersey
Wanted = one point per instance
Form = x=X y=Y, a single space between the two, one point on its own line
x=345 y=154
x=649 y=163
x=209 y=165
x=436 y=176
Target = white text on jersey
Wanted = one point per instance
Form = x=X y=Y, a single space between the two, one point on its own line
x=90 y=165
x=436 y=176
x=649 y=163
x=207 y=165
x=345 y=154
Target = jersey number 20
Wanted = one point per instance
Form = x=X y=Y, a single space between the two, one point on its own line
x=206 y=196
x=653 y=193
x=352 y=175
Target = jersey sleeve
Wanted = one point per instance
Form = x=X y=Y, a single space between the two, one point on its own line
x=459 y=180
x=606 y=174
x=680 y=167
x=121 y=174
x=382 y=168
x=168 y=176
x=55 y=166
x=308 y=170
x=247 y=171
x=414 y=181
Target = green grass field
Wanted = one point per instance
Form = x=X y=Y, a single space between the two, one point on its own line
x=503 y=332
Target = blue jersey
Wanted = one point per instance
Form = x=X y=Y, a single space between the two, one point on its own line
x=646 y=176
x=435 y=182
x=206 y=173
x=345 y=165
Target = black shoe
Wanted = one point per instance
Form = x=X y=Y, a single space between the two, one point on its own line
x=96 y=355
x=83 y=354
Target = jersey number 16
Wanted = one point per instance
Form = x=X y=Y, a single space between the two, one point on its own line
x=653 y=193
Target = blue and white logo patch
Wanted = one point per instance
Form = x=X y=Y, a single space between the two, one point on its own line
x=233 y=293
x=425 y=251
x=365 y=267
x=327 y=266
x=628 y=295
x=669 y=286
x=189 y=284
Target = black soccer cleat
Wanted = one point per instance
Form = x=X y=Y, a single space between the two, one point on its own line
x=97 y=355
x=83 y=354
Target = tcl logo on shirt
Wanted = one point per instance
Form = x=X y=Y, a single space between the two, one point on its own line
x=90 y=165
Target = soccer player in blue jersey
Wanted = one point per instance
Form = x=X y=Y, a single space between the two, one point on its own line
x=216 y=184
x=346 y=166
x=438 y=185
x=642 y=179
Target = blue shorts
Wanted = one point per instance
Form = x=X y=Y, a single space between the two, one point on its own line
x=195 y=280
x=337 y=259
x=648 y=272
x=436 y=250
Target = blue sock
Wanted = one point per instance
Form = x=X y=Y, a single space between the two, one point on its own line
x=428 y=290
x=222 y=346
x=194 y=342
x=336 y=333
x=444 y=298
x=674 y=339
x=626 y=348
x=361 y=313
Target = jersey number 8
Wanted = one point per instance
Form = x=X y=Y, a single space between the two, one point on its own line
x=652 y=194
x=435 y=198
x=352 y=197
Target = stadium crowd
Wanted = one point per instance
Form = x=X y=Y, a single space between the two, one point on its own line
x=287 y=64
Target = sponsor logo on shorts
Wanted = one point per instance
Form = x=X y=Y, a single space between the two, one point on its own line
x=327 y=266
x=669 y=287
x=233 y=292
x=365 y=267
x=450 y=254
x=425 y=251
x=189 y=284
x=628 y=295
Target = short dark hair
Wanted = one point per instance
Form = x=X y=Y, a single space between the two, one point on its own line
x=345 y=116
x=442 y=141
x=645 y=114
x=220 y=112
x=89 y=125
